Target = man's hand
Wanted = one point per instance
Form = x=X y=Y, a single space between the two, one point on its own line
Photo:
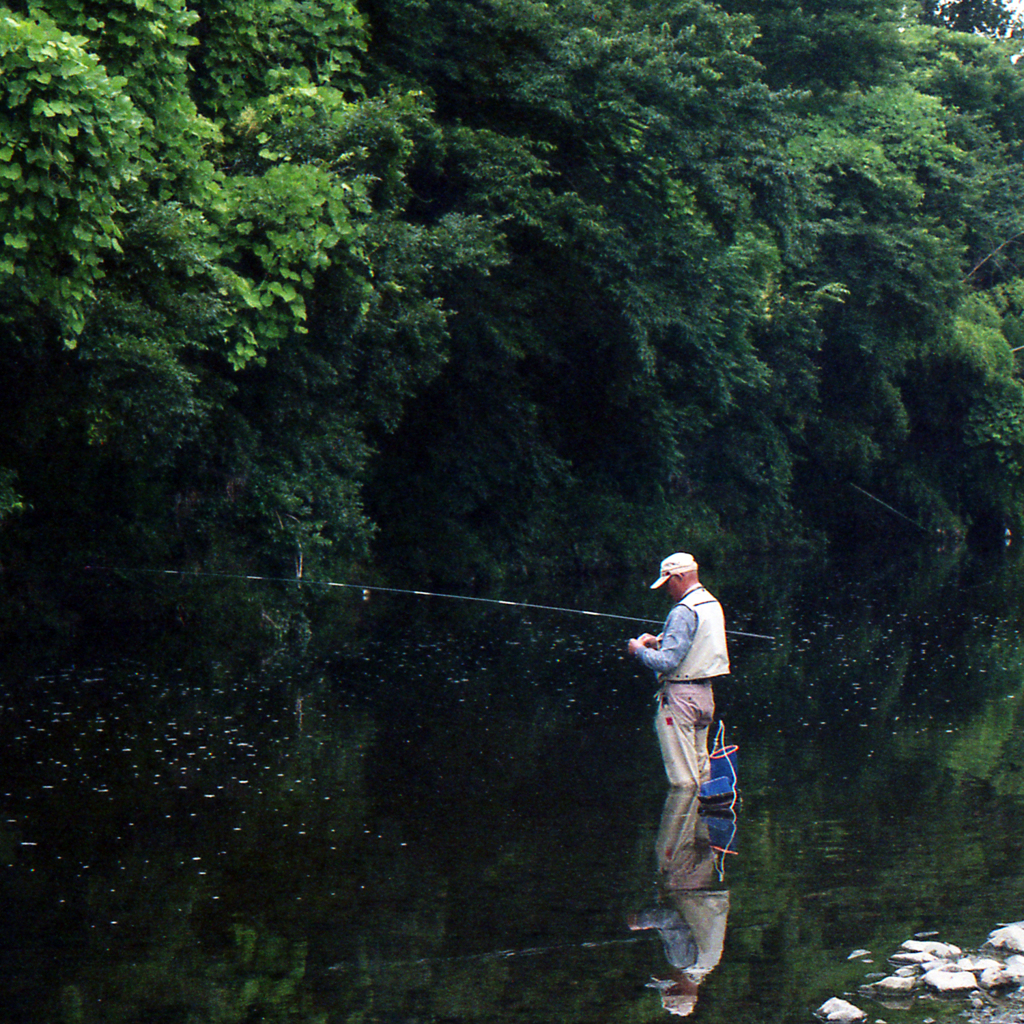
x=644 y=640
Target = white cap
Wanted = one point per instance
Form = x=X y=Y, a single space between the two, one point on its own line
x=675 y=565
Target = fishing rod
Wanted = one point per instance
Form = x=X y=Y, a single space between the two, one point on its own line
x=368 y=588
x=497 y=954
x=894 y=511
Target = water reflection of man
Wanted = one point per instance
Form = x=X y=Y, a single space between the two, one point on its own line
x=689 y=653
x=692 y=917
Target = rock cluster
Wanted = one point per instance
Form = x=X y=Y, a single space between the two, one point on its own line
x=992 y=978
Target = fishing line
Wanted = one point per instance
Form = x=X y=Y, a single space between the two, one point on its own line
x=367 y=588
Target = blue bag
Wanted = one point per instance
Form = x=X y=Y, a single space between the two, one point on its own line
x=721 y=824
x=721 y=787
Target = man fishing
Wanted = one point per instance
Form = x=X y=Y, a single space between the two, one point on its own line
x=689 y=653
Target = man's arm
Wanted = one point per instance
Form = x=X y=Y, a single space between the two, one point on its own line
x=680 y=627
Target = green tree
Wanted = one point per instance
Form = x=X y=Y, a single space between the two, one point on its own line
x=68 y=152
x=249 y=50
x=593 y=379
x=826 y=47
x=986 y=17
x=923 y=210
x=202 y=323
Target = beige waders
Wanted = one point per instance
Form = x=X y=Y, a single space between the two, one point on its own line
x=685 y=713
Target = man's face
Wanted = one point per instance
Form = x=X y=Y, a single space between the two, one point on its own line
x=675 y=587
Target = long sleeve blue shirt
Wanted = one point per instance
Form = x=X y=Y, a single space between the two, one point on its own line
x=676 y=639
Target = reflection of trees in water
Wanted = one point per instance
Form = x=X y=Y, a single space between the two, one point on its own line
x=255 y=975
x=884 y=658
x=172 y=818
x=484 y=781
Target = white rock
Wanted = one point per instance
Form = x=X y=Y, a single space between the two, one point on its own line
x=907 y=972
x=996 y=977
x=895 y=983
x=1010 y=936
x=908 y=957
x=840 y=1010
x=943 y=980
x=983 y=963
x=1015 y=967
x=859 y=952
x=938 y=950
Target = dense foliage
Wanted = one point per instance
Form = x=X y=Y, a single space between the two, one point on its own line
x=489 y=284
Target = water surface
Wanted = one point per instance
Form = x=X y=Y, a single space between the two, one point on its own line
x=457 y=820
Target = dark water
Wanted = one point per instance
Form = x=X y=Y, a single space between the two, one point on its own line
x=435 y=812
